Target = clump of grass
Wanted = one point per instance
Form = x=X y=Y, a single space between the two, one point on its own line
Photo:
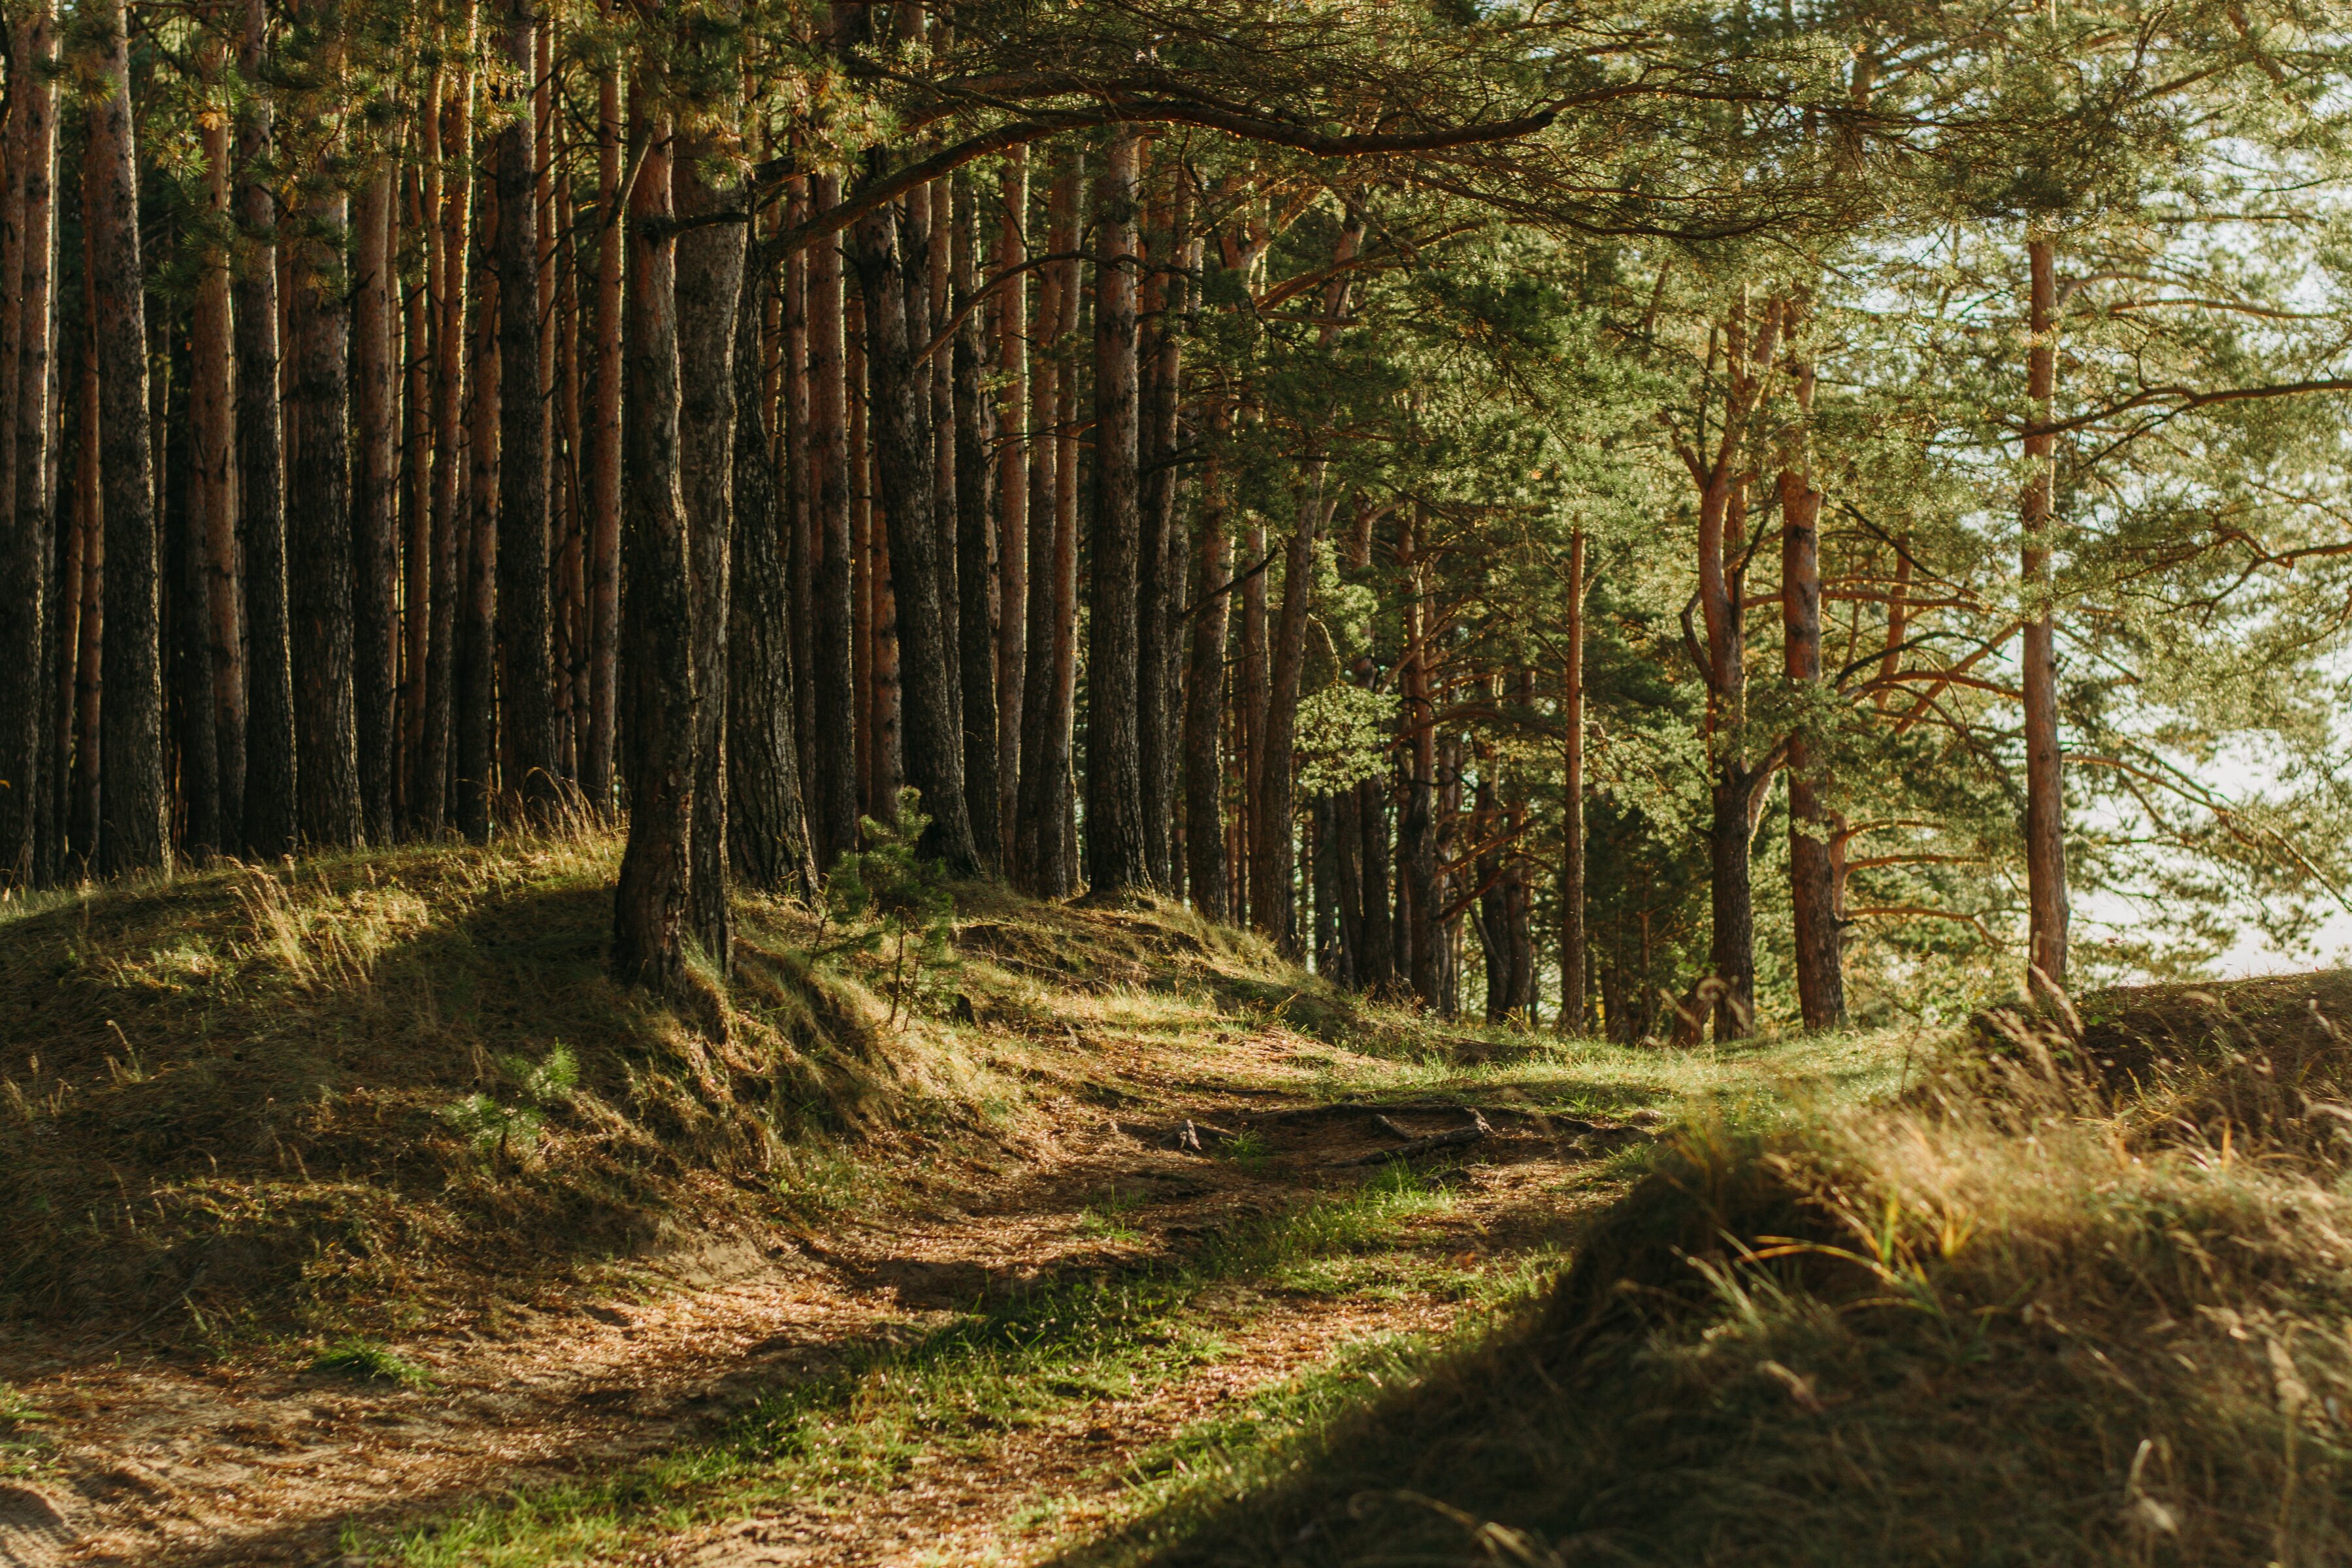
x=15 y=1408
x=368 y=1362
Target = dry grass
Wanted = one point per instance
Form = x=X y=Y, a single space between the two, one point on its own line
x=2088 y=1302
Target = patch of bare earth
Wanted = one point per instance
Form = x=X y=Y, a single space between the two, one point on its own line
x=155 y=1461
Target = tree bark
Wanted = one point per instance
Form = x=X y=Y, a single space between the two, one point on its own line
x=2045 y=799
x=1204 y=691
x=374 y=543
x=832 y=787
x=526 y=672
x=709 y=287
x=1272 y=865
x=448 y=135
x=135 y=809
x=1040 y=855
x=83 y=810
x=1812 y=882
x=899 y=396
x=603 y=442
x=1572 y=939
x=212 y=493
x=1160 y=554
x=767 y=829
x=1417 y=891
x=1116 y=862
x=1011 y=307
x=800 y=478
x=191 y=741
x=975 y=434
x=27 y=601
x=656 y=657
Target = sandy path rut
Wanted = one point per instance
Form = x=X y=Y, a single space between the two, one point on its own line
x=152 y=1462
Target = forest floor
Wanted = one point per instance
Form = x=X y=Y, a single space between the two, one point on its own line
x=357 y=1219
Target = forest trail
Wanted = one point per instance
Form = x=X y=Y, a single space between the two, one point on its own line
x=154 y=1461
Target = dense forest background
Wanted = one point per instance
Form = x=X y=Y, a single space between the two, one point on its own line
x=1617 y=515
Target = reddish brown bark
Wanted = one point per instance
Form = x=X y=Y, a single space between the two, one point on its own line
x=602 y=439
x=2045 y=802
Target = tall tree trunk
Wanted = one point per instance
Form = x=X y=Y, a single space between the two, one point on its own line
x=212 y=493
x=901 y=394
x=657 y=657
x=187 y=620
x=1273 y=909
x=1160 y=557
x=1572 y=940
x=1375 y=968
x=89 y=645
x=803 y=550
x=931 y=263
x=1250 y=687
x=1812 y=882
x=709 y=287
x=1041 y=856
x=318 y=534
x=833 y=786
x=1011 y=307
x=603 y=442
x=416 y=482
x=269 y=821
x=25 y=547
x=767 y=831
x=2045 y=799
x=1417 y=888
x=447 y=137
x=526 y=670
x=1116 y=860
x=31 y=123
x=376 y=549
x=975 y=434
x=476 y=773
x=135 y=809
x=1204 y=691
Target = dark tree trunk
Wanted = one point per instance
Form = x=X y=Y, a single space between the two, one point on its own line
x=1250 y=677
x=526 y=670
x=833 y=788
x=1204 y=692
x=446 y=132
x=211 y=491
x=90 y=643
x=975 y=435
x=1010 y=306
x=1417 y=889
x=709 y=284
x=134 y=807
x=603 y=442
x=318 y=534
x=1376 y=954
x=1813 y=880
x=417 y=482
x=901 y=395
x=656 y=655
x=1161 y=556
x=269 y=822
x=476 y=715
x=29 y=603
x=1116 y=858
x=767 y=831
x=928 y=237
x=800 y=479
x=1573 y=986
x=187 y=626
x=375 y=551
x=1042 y=858
x=1273 y=909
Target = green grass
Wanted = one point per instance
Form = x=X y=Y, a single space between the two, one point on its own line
x=370 y=1363
x=957 y=1389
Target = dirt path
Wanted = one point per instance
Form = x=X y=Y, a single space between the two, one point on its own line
x=149 y=1462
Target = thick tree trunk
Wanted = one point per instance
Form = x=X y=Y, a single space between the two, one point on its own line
x=1159 y=572
x=1375 y=963
x=526 y=670
x=1812 y=882
x=27 y=602
x=656 y=657
x=604 y=444
x=1272 y=854
x=269 y=821
x=1417 y=881
x=931 y=264
x=833 y=785
x=1204 y=691
x=83 y=810
x=318 y=532
x=2045 y=799
x=1011 y=307
x=447 y=134
x=134 y=807
x=375 y=550
x=802 y=549
x=975 y=434
x=416 y=484
x=1040 y=855
x=767 y=830
x=901 y=395
x=1116 y=862
x=187 y=623
x=709 y=287
x=1572 y=940
x=1250 y=687
x=475 y=782
x=212 y=493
